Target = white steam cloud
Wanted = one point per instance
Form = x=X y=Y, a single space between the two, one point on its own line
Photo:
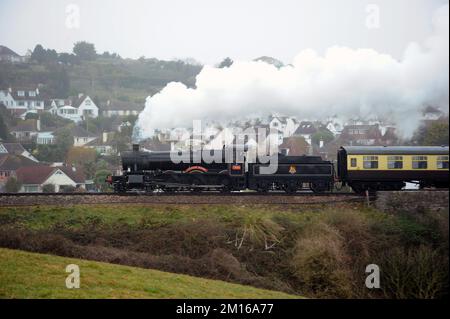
x=345 y=82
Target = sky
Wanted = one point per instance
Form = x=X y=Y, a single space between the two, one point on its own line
x=209 y=30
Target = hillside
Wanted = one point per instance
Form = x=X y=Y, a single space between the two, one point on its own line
x=30 y=275
x=103 y=78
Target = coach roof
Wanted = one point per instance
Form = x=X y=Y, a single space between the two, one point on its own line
x=398 y=150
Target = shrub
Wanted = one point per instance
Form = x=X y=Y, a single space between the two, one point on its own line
x=12 y=185
x=414 y=273
x=320 y=262
x=48 y=188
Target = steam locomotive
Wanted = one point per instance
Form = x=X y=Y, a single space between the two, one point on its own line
x=363 y=168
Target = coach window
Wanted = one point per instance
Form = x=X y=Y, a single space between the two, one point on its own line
x=353 y=162
x=419 y=162
x=370 y=162
x=442 y=162
x=395 y=162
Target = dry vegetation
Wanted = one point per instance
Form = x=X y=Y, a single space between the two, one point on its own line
x=310 y=251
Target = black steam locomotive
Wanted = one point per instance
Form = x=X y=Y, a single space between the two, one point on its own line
x=362 y=168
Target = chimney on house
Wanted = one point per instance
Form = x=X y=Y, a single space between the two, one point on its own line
x=108 y=102
x=38 y=124
x=10 y=89
x=321 y=143
x=105 y=137
x=80 y=95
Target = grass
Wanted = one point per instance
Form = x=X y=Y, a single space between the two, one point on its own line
x=317 y=251
x=45 y=217
x=31 y=275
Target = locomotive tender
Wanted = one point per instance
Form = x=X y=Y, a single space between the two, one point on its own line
x=365 y=168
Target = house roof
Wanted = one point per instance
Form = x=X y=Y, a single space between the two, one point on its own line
x=7 y=51
x=10 y=162
x=77 y=100
x=25 y=126
x=75 y=173
x=38 y=174
x=120 y=105
x=14 y=148
x=305 y=127
x=78 y=131
x=26 y=96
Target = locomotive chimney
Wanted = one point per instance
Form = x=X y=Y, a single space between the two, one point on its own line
x=135 y=147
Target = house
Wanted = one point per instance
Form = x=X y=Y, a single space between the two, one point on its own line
x=10 y=163
x=306 y=129
x=22 y=100
x=119 y=108
x=286 y=125
x=8 y=55
x=45 y=138
x=103 y=146
x=295 y=146
x=76 y=109
x=81 y=137
x=33 y=178
x=16 y=149
x=362 y=134
x=26 y=131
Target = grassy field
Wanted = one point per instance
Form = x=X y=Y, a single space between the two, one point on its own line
x=31 y=275
x=315 y=251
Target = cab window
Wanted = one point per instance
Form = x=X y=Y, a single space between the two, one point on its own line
x=353 y=162
x=370 y=162
x=419 y=162
x=395 y=162
x=442 y=162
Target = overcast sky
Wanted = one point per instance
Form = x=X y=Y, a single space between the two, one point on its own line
x=209 y=30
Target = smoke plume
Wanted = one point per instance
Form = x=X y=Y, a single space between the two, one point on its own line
x=344 y=82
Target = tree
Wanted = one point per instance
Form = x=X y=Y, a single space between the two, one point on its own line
x=12 y=185
x=85 y=51
x=80 y=156
x=48 y=188
x=434 y=133
x=64 y=140
x=226 y=63
x=100 y=177
x=39 y=54
x=4 y=135
x=322 y=134
x=31 y=116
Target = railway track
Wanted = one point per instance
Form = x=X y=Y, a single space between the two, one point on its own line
x=238 y=198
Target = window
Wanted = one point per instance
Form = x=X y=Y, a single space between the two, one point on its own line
x=21 y=93
x=370 y=162
x=87 y=102
x=31 y=93
x=21 y=103
x=353 y=162
x=395 y=162
x=442 y=162
x=31 y=188
x=419 y=162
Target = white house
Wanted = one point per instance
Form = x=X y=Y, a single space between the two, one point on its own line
x=45 y=138
x=287 y=125
x=6 y=54
x=33 y=178
x=22 y=100
x=81 y=137
x=76 y=109
x=119 y=108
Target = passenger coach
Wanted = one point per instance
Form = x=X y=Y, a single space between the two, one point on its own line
x=375 y=168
